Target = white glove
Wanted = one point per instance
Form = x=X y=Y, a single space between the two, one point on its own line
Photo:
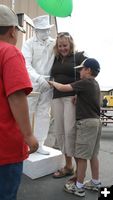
x=43 y=85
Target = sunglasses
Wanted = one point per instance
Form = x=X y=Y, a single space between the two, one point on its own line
x=61 y=34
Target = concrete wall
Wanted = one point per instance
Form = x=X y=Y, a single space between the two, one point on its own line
x=29 y=7
x=6 y=2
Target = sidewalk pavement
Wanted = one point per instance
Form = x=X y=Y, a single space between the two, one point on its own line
x=48 y=188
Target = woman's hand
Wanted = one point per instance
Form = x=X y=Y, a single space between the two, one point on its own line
x=74 y=99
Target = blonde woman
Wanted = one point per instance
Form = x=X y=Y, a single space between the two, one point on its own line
x=63 y=71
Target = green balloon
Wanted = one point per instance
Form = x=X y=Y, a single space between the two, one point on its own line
x=58 y=8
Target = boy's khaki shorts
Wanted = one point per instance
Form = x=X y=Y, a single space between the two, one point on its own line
x=87 y=138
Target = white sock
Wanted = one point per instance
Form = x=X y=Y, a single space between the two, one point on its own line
x=95 y=181
x=79 y=185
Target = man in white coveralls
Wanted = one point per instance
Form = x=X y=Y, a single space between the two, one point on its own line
x=39 y=56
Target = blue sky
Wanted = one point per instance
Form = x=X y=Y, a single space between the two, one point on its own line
x=91 y=25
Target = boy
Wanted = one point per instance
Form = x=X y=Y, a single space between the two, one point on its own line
x=88 y=124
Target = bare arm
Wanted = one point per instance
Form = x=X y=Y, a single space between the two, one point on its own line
x=19 y=107
x=61 y=87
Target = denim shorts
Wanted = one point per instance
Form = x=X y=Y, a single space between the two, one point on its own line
x=10 y=176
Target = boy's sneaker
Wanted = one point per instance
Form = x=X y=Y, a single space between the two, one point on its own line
x=89 y=185
x=72 y=188
x=69 y=187
x=79 y=191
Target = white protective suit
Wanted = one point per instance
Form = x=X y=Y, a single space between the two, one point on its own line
x=39 y=56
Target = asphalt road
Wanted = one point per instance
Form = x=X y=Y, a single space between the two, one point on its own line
x=48 y=188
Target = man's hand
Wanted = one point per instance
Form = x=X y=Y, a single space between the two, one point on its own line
x=32 y=143
x=44 y=86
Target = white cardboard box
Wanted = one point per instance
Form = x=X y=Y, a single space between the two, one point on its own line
x=38 y=165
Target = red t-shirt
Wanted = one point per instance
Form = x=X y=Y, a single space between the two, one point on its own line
x=13 y=77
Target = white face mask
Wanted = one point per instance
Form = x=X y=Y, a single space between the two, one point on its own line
x=42 y=34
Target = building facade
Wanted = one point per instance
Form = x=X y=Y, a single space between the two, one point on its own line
x=28 y=9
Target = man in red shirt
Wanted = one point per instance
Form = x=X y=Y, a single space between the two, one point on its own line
x=16 y=138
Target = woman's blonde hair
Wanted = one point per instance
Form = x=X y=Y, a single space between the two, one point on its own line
x=70 y=39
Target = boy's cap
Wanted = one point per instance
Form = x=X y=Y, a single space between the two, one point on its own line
x=9 y=18
x=90 y=63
